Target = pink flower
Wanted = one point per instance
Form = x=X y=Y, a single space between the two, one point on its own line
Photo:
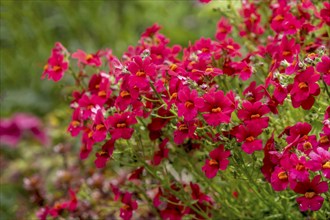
x=253 y=112
x=119 y=125
x=254 y=93
x=279 y=179
x=248 y=134
x=161 y=154
x=320 y=160
x=324 y=66
x=223 y=28
x=311 y=200
x=56 y=66
x=218 y=108
x=104 y=155
x=189 y=104
x=129 y=205
x=87 y=59
x=76 y=124
x=99 y=128
x=219 y=161
x=324 y=13
x=142 y=72
x=305 y=88
x=184 y=130
x=243 y=69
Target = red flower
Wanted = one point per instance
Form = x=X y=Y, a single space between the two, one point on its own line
x=142 y=71
x=253 y=112
x=99 y=128
x=311 y=190
x=223 y=28
x=254 y=93
x=76 y=124
x=118 y=124
x=104 y=155
x=219 y=161
x=161 y=154
x=218 y=108
x=320 y=160
x=247 y=134
x=279 y=179
x=189 y=104
x=87 y=59
x=184 y=130
x=305 y=88
x=129 y=205
x=57 y=64
x=324 y=67
x=325 y=13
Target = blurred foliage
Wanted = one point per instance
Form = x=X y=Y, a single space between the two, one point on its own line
x=29 y=29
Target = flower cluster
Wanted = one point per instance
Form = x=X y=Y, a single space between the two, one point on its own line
x=160 y=100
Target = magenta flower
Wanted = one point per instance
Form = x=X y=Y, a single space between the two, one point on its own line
x=223 y=28
x=320 y=160
x=219 y=161
x=129 y=205
x=300 y=130
x=12 y=129
x=253 y=112
x=311 y=200
x=254 y=93
x=305 y=88
x=324 y=13
x=218 y=108
x=119 y=125
x=99 y=128
x=87 y=59
x=142 y=71
x=248 y=134
x=56 y=66
x=279 y=179
x=104 y=155
x=76 y=124
x=184 y=130
x=189 y=104
x=161 y=154
x=324 y=66
x=243 y=69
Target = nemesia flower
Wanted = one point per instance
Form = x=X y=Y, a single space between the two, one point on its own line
x=87 y=59
x=230 y=47
x=269 y=164
x=189 y=104
x=118 y=125
x=323 y=67
x=279 y=179
x=99 y=128
x=219 y=161
x=324 y=13
x=253 y=112
x=162 y=153
x=142 y=71
x=129 y=205
x=76 y=124
x=305 y=88
x=254 y=93
x=223 y=28
x=104 y=155
x=243 y=69
x=184 y=130
x=57 y=64
x=248 y=134
x=217 y=108
x=320 y=160
x=12 y=129
x=311 y=200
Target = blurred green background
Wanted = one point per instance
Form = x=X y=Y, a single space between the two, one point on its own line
x=29 y=29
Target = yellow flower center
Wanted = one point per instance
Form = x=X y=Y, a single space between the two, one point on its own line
x=282 y=175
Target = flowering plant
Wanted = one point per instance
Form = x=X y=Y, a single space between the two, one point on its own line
x=210 y=131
